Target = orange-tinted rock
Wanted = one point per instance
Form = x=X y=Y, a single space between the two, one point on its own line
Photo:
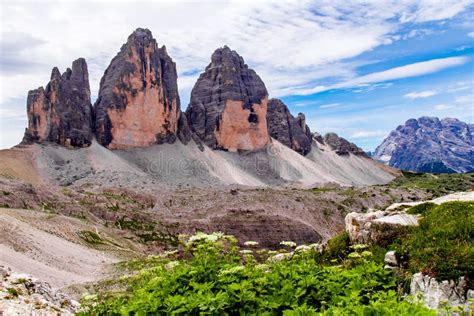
x=228 y=105
x=237 y=132
x=61 y=113
x=138 y=103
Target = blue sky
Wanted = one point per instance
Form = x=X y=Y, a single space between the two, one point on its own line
x=355 y=68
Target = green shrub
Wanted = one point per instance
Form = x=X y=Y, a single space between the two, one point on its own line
x=338 y=247
x=421 y=208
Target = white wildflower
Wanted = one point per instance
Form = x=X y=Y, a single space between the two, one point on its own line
x=250 y=243
x=303 y=248
x=171 y=265
x=232 y=270
x=246 y=252
x=288 y=244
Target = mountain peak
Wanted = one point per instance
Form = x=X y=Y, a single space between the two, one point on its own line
x=429 y=144
x=228 y=105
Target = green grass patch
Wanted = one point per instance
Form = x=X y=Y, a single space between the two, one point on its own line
x=437 y=184
x=91 y=237
x=443 y=244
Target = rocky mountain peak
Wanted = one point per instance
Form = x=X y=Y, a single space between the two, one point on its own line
x=342 y=146
x=429 y=144
x=228 y=105
x=62 y=112
x=138 y=103
x=288 y=130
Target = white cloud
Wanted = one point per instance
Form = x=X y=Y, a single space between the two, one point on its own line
x=291 y=44
x=329 y=105
x=421 y=94
x=470 y=34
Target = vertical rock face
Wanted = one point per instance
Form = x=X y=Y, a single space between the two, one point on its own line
x=62 y=112
x=228 y=105
x=429 y=144
x=288 y=130
x=138 y=103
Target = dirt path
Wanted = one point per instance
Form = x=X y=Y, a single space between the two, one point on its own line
x=46 y=254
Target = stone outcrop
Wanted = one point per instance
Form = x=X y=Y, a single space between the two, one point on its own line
x=138 y=103
x=437 y=293
x=62 y=112
x=228 y=107
x=378 y=226
x=288 y=130
x=342 y=146
x=429 y=144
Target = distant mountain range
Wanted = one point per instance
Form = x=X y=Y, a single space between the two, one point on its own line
x=429 y=144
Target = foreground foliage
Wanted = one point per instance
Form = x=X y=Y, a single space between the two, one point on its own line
x=211 y=275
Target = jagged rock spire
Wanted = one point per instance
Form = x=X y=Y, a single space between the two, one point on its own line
x=62 y=112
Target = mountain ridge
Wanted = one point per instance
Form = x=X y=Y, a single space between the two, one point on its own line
x=428 y=144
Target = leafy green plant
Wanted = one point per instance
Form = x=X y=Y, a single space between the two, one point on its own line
x=208 y=275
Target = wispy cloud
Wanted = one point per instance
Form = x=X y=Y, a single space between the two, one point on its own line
x=421 y=94
x=442 y=107
x=470 y=34
x=407 y=71
x=368 y=134
x=329 y=105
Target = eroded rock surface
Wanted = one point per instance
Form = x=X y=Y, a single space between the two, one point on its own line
x=228 y=105
x=287 y=129
x=138 y=103
x=62 y=112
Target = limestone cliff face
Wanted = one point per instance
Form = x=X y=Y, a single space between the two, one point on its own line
x=228 y=105
x=138 y=103
x=62 y=112
x=288 y=130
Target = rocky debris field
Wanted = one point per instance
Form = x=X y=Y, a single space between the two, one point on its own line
x=22 y=294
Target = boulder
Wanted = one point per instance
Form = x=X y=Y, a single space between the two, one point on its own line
x=377 y=226
x=61 y=113
x=138 y=103
x=228 y=105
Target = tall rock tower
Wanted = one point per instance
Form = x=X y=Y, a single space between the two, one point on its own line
x=228 y=105
x=138 y=103
x=62 y=112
